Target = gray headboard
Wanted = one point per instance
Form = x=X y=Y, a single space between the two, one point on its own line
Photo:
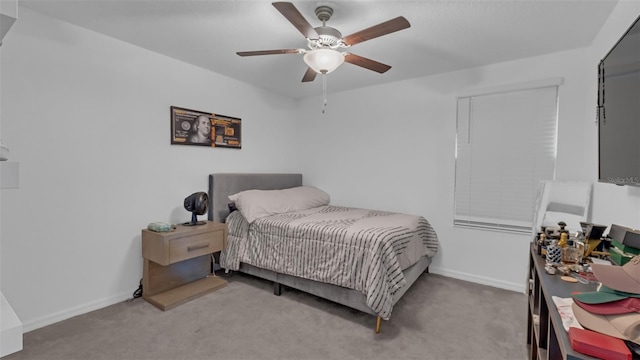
x=222 y=185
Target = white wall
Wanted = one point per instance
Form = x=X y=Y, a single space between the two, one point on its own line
x=392 y=147
x=87 y=118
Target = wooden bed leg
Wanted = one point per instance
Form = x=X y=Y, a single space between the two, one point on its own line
x=378 y=322
x=426 y=270
x=277 y=289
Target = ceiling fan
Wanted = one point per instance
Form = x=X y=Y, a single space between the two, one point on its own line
x=322 y=56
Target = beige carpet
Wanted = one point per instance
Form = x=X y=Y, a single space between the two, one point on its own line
x=438 y=318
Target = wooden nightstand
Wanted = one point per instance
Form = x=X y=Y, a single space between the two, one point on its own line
x=177 y=264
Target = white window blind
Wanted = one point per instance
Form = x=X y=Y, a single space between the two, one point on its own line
x=506 y=144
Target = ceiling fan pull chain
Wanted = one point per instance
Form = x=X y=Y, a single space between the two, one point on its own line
x=324 y=92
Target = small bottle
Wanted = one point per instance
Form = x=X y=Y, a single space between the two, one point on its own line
x=581 y=247
x=564 y=237
x=562 y=225
x=543 y=244
x=570 y=253
x=554 y=253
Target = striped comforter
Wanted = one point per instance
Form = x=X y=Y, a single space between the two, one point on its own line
x=360 y=249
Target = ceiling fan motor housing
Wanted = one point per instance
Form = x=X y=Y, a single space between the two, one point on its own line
x=328 y=37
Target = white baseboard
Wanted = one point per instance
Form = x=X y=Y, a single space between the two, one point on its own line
x=517 y=287
x=75 y=311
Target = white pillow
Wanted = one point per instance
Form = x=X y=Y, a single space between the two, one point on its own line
x=255 y=204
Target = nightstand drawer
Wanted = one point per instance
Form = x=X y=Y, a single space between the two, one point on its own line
x=184 y=242
x=197 y=245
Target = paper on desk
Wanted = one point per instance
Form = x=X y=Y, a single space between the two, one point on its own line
x=566 y=313
x=600 y=261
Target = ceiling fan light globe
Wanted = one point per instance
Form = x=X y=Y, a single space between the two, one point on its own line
x=323 y=61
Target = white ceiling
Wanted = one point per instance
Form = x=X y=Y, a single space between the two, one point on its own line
x=445 y=35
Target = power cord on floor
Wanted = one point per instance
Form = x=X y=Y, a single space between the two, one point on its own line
x=138 y=292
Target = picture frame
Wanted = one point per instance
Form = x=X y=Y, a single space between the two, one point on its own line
x=199 y=128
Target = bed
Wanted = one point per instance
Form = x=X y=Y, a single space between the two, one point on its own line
x=369 y=280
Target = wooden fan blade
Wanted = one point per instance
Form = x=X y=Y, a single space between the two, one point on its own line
x=375 y=31
x=268 y=52
x=366 y=63
x=293 y=15
x=310 y=75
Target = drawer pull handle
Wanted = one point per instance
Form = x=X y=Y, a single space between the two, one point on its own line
x=197 y=247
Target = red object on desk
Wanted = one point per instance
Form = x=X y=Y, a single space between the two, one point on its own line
x=598 y=345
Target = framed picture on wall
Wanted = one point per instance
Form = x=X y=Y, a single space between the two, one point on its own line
x=193 y=127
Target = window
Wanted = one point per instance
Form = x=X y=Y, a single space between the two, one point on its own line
x=505 y=144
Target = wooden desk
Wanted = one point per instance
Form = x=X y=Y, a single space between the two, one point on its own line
x=546 y=337
x=177 y=264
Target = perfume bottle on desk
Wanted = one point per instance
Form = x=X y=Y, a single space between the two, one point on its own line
x=572 y=254
x=554 y=253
